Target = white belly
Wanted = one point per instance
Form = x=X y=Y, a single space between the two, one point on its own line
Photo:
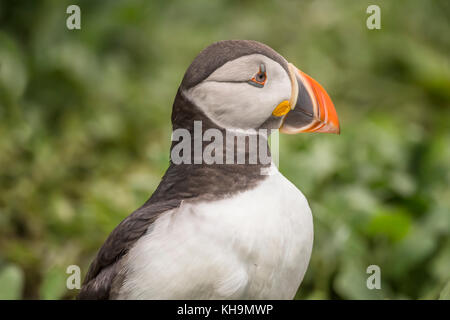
x=254 y=245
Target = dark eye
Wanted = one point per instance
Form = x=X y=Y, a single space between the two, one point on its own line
x=260 y=78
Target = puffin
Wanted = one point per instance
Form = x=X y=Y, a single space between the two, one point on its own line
x=224 y=229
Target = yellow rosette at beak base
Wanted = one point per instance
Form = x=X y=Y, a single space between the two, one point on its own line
x=283 y=108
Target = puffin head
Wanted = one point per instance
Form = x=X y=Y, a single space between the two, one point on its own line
x=242 y=84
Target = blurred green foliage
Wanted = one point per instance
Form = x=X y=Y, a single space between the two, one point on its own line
x=85 y=130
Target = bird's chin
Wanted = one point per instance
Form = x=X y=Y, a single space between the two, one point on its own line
x=313 y=110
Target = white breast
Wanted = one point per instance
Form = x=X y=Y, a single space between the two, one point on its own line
x=254 y=245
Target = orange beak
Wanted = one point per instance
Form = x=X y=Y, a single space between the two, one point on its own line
x=313 y=109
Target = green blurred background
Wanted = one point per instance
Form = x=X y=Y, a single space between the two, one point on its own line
x=85 y=130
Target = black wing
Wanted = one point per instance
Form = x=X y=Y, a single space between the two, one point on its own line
x=106 y=265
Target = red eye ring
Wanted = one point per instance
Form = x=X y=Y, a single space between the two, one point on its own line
x=260 y=78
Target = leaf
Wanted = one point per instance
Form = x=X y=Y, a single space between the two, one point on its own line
x=445 y=293
x=393 y=225
x=53 y=285
x=11 y=283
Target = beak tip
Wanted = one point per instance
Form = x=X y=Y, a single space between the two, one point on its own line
x=337 y=129
x=330 y=127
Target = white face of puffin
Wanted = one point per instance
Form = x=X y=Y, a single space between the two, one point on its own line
x=243 y=93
